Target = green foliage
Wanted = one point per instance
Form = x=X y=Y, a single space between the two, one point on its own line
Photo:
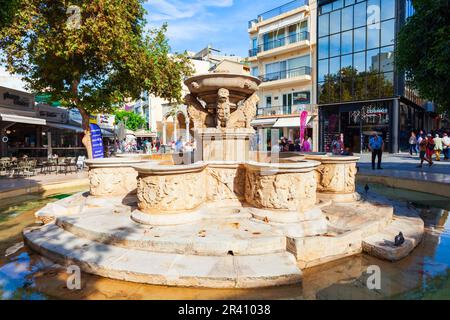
x=133 y=122
x=7 y=11
x=92 y=60
x=423 y=51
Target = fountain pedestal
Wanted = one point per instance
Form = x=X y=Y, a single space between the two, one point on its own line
x=225 y=144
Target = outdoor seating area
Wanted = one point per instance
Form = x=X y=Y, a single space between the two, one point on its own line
x=26 y=167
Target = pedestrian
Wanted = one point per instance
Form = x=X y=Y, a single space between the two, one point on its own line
x=306 y=145
x=412 y=143
x=376 y=146
x=438 y=147
x=446 y=146
x=423 y=152
x=430 y=147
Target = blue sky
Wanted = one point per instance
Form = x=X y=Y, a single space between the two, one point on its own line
x=193 y=24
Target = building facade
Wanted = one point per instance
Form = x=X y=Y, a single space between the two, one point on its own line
x=359 y=87
x=282 y=54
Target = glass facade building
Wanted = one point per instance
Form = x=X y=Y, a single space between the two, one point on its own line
x=359 y=89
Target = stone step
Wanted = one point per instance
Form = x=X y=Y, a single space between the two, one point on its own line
x=381 y=245
x=168 y=269
x=238 y=237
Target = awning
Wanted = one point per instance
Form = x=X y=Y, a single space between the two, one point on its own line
x=21 y=119
x=65 y=127
x=263 y=122
x=145 y=134
x=290 y=122
x=107 y=134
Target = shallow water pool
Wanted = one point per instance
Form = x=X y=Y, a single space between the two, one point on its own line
x=423 y=275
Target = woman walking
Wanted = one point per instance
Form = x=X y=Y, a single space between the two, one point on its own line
x=423 y=150
x=438 y=147
x=412 y=143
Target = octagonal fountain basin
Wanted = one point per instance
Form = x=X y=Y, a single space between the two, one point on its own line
x=281 y=192
x=114 y=177
x=170 y=195
x=206 y=86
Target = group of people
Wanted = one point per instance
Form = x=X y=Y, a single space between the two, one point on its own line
x=338 y=147
x=183 y=146
x=286 y=145
x=150 y=146
x=427 y=145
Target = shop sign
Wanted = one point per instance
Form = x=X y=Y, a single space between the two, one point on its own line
x=14 y=98
x=53 y=114
x=106 y=121
x=75 y=116
x=96 y=141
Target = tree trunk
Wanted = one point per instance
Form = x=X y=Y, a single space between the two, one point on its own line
x=87 y=142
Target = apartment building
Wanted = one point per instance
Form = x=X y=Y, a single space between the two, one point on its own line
x=282 y=54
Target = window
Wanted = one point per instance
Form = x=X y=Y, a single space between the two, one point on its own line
x=326 y=8
x=349 y=2
x=387 y=9
x=255 y=71
x=298 y=62
x=268 y=101
x=335 y=22
x=254 y=43
x=387 y=59
x=360 y=39
x=346 y=61
x=373 y=60
x=359 y=61
x=335 y=65
x=324 y=25
x=323 y=47
x=323 y=69
x=347 y=18
x=335 y=45
x=387 y=32
x=360 y=15
x=347 y=42
x=337 y=4
x=373 y=38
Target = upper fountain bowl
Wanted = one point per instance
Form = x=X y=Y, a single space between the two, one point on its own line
x=206 y=86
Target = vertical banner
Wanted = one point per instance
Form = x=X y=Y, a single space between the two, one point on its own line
x=303 y=118
x=97 y=141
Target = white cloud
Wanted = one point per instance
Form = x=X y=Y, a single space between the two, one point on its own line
x=165 y=10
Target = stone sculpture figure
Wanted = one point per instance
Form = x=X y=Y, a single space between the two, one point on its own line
x=244 y=115
x=223 y=108
x=196 y=112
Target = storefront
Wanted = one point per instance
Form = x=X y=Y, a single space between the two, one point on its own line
x=392 y=119
x=36 y=130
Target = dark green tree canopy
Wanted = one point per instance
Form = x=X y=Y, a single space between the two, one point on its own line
x=424 y=51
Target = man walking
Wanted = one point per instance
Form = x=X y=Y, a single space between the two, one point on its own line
x=376 y=145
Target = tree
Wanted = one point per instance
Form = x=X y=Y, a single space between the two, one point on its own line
x=91 y=55
x=133 y=122
x=7 y=11
x=423 y=51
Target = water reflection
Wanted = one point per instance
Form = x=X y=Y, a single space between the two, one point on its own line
x=423 y=275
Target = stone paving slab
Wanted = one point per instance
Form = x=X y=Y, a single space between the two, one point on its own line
x=163 y=268
x=381 y=245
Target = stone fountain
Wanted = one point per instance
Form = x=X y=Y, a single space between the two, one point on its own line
x=226 y=220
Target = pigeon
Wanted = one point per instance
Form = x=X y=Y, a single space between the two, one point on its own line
x=366 y=188
x=399 y=240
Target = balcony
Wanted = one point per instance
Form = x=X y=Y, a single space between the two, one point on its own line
x=278 y=11
x=300 y=72
x=286 y=110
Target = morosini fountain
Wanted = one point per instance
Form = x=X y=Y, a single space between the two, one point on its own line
x=229 y=219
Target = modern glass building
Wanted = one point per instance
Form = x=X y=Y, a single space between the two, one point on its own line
x=359 y=88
